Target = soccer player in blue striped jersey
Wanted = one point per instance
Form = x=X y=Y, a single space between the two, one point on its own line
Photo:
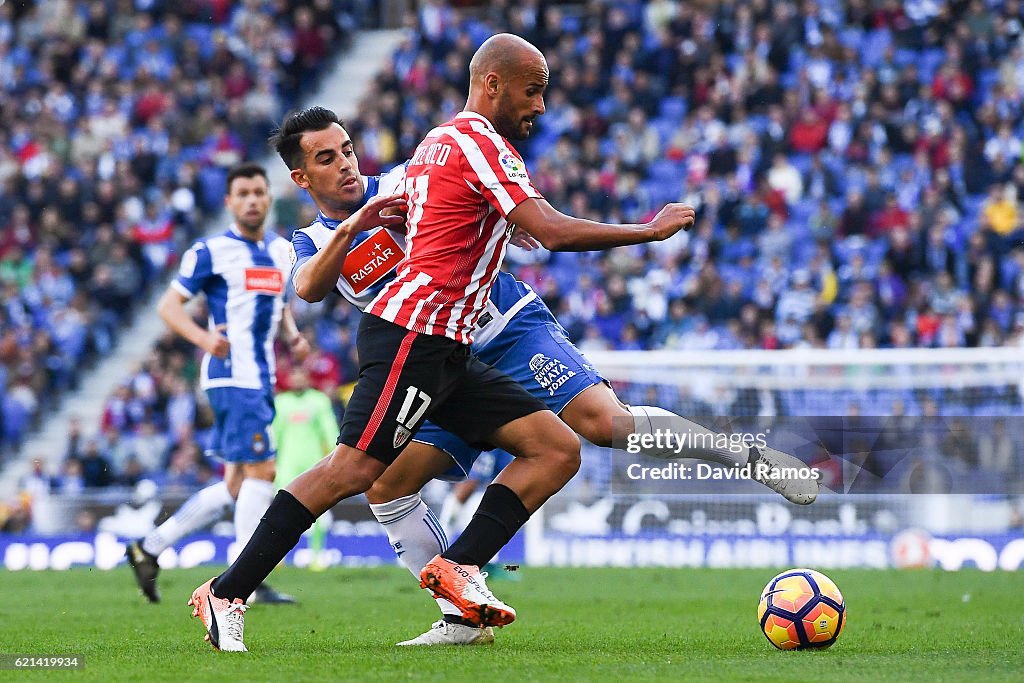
x=242 y=272
x=517 y=334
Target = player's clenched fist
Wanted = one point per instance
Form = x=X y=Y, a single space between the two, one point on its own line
x=216 y=344
x=671 y=219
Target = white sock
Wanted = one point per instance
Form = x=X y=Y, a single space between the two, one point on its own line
x=254 y=497
x=204 y=507
x=415 y=535
x=700 y=442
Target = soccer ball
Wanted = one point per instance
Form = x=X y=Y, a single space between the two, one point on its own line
x=801 y=609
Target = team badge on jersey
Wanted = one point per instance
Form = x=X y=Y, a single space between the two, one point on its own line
x=513 y=167
x=371 y=260
x=402 y=435
x=264 y=280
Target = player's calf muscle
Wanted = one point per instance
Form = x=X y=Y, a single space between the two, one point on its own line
x=344 y=473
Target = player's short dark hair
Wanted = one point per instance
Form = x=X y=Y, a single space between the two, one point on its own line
x=246 y=169
x=287 y=137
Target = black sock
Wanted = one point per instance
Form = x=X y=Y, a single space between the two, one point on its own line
x=279 y=531
x=496 y=521
x=452 y=619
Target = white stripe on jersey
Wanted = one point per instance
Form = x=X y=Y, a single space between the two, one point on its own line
x=499 y=321
x=471 y=151
x=502 y=147
x=407 y=289
x=455 y=322
x=483 y=169
x=419 y=308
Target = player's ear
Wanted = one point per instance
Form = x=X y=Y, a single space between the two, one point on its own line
x=492 y=83
x=298 y=177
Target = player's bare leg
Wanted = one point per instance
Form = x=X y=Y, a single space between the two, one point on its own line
x=547 y=456
x=344 y=473
x=600 y=417
x=417 y=536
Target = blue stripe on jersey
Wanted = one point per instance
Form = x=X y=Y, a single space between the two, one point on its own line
x=262 y=317
x=201 y=269
x=372 y=186
x=216 y=303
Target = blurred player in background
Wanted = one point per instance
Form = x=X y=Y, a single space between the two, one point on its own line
x=242 y=271
x=304 y=430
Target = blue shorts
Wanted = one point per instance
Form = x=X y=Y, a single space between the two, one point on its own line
x=543 y=361
x=241 y=425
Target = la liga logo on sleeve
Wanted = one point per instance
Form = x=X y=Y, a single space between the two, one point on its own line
x=514 y=168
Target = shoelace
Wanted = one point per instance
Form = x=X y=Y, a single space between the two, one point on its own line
x=234 y=620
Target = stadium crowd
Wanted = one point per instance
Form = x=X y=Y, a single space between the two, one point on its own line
x=856 y=165
x=118 y=120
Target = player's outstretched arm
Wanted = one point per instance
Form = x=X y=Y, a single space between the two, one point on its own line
x=319 y=275
x=171 y=308
x=559 y=232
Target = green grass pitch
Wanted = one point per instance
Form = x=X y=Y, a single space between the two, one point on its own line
x=574 y=625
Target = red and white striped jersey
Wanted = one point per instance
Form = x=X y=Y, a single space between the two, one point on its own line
x=460 y=186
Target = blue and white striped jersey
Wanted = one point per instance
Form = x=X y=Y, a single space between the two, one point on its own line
x=244 y=283
x=375 y=255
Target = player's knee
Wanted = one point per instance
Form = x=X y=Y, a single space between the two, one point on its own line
x=380 y=492
x=563 y=455
x=597 y=429
x=350 y=470
x=600 y=427
x=264 y=470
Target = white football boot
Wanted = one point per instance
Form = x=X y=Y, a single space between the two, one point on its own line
x=765 y=462
x=444 y=633
x=224 y=620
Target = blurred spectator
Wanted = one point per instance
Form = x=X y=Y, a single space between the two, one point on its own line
x=116 y=120
x=96 y=470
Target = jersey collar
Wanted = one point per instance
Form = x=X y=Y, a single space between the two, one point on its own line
x=233 y=231
x=474 y=115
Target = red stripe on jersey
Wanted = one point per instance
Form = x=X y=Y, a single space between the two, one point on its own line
x=475 y=258
x=389 y=392
x=461 y=183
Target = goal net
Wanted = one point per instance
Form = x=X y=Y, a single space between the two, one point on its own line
x=921 y=450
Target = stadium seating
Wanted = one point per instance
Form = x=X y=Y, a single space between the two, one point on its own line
x=722 y=98
x=117 y=125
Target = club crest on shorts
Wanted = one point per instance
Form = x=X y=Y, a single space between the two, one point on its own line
x=259 y=446
x=402 y=436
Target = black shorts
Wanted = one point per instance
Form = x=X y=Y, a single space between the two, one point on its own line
x=406 y=377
